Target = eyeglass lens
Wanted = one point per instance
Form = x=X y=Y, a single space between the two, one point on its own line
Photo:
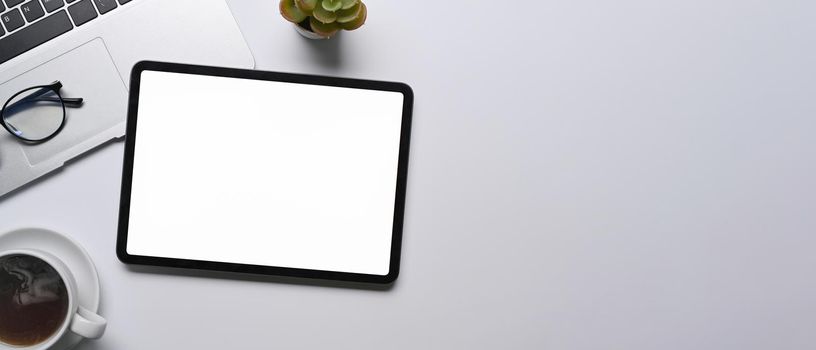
x=34 y=114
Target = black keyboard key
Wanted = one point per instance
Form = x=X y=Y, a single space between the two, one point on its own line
x=32 y=10
x=12 y=20
x=12 y=3
x=2 y=8
x=105 y=5
x=82 y=12
x=2 y=32
x=34 y=35
x=122 y=2
x=52 y=5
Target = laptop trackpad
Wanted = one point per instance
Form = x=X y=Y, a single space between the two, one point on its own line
x=88 y=72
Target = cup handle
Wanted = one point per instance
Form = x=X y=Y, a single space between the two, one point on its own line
x=88 y=324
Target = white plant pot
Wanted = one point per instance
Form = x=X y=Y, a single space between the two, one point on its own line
x=309 y=34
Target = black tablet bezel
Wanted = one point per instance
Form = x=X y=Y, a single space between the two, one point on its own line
x=127 y=173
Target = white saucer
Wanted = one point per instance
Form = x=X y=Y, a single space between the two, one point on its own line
x=73 y=255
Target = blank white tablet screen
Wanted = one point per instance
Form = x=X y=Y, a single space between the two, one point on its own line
x=264 y=173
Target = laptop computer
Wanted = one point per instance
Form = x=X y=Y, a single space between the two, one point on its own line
x=90 y=46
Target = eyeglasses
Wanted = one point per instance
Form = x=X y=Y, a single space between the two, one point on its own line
x=37 y=114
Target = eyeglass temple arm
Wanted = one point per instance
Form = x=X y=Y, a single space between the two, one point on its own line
x=69 y=102
x=55 y=86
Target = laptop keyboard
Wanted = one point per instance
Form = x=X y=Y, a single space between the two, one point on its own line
x=26 y=24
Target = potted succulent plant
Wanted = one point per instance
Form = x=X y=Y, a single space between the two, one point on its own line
x=321 y=19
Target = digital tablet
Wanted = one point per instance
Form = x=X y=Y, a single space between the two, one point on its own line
x=264 y=173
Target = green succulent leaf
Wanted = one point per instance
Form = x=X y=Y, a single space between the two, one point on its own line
x=347 y=4
x=349 y=15
x=324 y=29
x=358 y=21
x=306 y=5
x=324 y=16
x=291 y=12
x=332 y=5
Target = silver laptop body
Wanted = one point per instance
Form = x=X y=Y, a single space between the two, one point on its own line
x=93 y=60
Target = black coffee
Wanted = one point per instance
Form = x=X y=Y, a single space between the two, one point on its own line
x=33 y=300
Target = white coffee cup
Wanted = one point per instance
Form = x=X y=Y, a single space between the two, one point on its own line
x=78 y=319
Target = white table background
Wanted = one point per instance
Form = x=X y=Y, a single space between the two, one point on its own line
x=584 y=174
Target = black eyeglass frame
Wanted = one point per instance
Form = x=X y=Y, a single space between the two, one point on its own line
x=37 y=91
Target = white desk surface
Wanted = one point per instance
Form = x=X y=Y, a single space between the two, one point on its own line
x=584 y=175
